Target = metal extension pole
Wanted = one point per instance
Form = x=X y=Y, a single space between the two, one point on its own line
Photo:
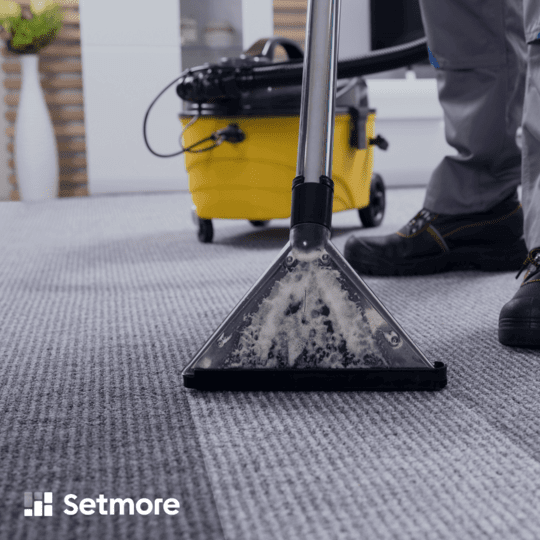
x=316 y=134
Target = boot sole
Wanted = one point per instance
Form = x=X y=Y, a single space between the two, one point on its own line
x=523 y=333
x=460 y=259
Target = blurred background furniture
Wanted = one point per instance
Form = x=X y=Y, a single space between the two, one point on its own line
x=100 y=77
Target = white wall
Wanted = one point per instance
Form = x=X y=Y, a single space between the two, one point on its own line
x=130 y=52
x=207 y=12
x=355 y=35
x=410 y=117
x=257 y=21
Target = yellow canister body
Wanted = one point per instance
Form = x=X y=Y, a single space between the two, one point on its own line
x=253 y=179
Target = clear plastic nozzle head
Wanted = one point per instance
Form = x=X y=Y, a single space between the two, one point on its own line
x=308 y=240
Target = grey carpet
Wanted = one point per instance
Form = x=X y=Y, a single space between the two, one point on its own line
x=104 y=300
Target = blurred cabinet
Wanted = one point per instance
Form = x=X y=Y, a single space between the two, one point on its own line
x=209 y=30
x=355 y=35
x=250 y=20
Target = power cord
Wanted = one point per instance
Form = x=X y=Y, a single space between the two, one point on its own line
x=232 y=133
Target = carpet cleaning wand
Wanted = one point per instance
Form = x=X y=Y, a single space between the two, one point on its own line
x=310 y=322
x=313 y=189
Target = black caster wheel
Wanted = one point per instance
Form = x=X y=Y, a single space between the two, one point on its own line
x=373 y=214
x=259 y=223
x=206 y=231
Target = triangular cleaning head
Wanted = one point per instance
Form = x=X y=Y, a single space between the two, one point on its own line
x=310 y=322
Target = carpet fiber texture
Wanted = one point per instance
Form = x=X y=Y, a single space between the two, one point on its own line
x=104 y=300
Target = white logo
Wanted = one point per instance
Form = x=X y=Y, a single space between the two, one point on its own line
x=105 y=507
x=38 y=504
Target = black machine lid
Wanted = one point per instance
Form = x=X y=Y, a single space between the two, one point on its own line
x=274 y=100
x=230 y=82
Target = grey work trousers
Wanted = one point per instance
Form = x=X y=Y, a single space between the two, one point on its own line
x=488 y=52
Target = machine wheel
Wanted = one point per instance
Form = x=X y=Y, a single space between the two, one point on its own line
x=373 y=214
x=206 y=231
x=259 y=223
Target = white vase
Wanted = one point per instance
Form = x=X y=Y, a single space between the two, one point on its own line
x=36 y=153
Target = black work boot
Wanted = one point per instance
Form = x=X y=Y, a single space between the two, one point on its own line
x=431 y=243
x=519 y=321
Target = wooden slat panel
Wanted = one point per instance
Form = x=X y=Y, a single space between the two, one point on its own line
x=69 y=34
x=73 y=83
x=71 y=146
x=52 y=99
x=71 y=181
x=58 y=116
x=62 y=66
x=63 y=115
x=61 y=50
x=65 y=163
x=61 y=3
x=74 y=178
x=52 y=50
x=61 y=83
x=74 y=130
x=79 y=191
x=71 y=17
x=72 y=163
x=289 y=19
x=288 y=5
x=11 y=67
x=12 y=83
x=296 y=35
x=63 y=146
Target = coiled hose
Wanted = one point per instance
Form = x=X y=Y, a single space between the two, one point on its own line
x=228 y=81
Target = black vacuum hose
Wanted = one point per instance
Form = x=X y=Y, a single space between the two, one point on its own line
x=228 y=81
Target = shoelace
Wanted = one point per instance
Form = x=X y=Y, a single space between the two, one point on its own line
x=418 y=221
x=533 y=258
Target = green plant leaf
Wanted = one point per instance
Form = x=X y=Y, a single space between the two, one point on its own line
x=31 y=35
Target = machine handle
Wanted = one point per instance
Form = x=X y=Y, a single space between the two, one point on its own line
x=379 y=141
x=267 y=46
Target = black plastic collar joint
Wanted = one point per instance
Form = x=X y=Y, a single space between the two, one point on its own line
x=312 y=201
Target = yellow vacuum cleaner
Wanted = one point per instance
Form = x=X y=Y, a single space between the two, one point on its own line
x=253 y=104
x=250 y=179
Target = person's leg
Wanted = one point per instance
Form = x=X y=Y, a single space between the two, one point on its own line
x=480 y=49
x=519 y=321
x=471 y=215
x=531 y=127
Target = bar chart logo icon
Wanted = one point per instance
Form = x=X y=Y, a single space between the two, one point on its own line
x=38 y=504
